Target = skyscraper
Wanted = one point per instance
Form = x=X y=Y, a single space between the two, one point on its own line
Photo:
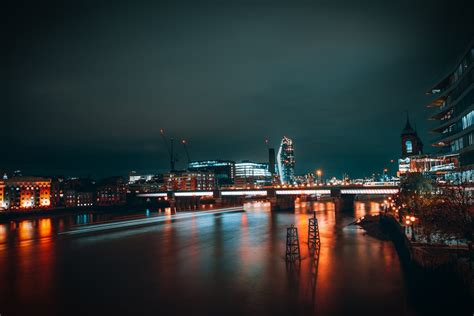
x=286 y=161
x=453 y=105
x=271 y=160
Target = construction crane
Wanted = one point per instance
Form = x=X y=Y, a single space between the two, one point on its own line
x=184 y=142
x=169 y=148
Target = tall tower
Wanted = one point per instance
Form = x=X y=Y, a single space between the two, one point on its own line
x=271 y=160
x=286 y=161
x=411 y=143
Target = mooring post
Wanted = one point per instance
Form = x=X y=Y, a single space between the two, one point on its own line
x=292 y=244
x=313 y=233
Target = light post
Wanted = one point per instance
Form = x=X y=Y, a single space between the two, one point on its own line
x=413 y=219
x=410 y=221
x=319 y=173
x=407 y=222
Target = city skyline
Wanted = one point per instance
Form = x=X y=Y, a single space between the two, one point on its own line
x=240 y=157
x=225 y=77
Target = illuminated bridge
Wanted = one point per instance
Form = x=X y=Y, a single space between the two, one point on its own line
x=280 y=198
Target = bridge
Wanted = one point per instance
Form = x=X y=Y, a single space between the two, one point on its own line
x=279 y=197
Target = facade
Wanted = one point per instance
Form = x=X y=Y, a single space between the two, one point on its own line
x=250 y=174
x=453 y=111
x=73 y=198
x=435 y=165
x=111 y=191
x=133 y=177
x=57 y=192
x=189 y=181
x=286 y=161
x=223 y=170
x=27 y=193
x=271 y=160
x=72 y=192
x=153 y=185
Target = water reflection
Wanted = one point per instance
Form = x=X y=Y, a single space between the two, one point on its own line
x=218 y=264
x=3 y=233
x=45 y=227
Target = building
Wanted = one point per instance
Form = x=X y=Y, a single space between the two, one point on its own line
x=223 y=170
x=453 y=111
x=133 y=177
x=27 y=193
x=411 y=143
x=75 y=198
x=271 y=160
x=72 y=192
x=153 y=185
x=432 y=165
x=286 y=161
x=189 y=181
x=251 y=174
x=57 y=192
x=111 y=191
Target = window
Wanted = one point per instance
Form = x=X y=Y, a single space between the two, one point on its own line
x=409 y=146
x=457 y=144
x=467 y=120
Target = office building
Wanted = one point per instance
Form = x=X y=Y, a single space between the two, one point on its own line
x=251 y=174
x=223 y=170
x=286 y=161
x=453 y=111
x=271 y=160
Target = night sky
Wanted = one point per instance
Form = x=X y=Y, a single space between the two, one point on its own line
x=87 y=85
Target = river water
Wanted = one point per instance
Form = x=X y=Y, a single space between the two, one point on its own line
x=217 y=264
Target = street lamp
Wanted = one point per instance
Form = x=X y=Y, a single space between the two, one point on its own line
x=319 y=173
x=410 y=221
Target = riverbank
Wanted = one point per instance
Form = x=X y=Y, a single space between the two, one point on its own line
x=7 y=216
x=372 y=227
x=438 y=260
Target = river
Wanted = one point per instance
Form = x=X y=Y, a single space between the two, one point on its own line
x=215 y=264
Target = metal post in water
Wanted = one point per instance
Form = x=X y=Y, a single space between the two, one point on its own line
x=313 y=233
x=292 y=244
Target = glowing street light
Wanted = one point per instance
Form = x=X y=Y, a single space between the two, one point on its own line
x=319 y=173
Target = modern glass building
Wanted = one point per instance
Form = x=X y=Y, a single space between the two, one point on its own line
x=249 y=173
x=224 y=170
x=286 y=161
x=453 y=106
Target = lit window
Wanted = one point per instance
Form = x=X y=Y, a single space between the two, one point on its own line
x=409 y=146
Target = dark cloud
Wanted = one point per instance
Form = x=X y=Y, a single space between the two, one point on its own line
x=88 y=85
